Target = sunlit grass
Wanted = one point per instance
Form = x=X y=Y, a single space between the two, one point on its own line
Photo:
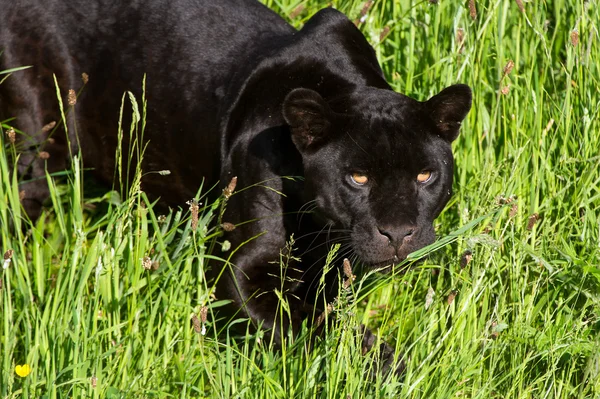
x=517 y=318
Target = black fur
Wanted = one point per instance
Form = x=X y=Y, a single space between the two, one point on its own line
x=233 y=90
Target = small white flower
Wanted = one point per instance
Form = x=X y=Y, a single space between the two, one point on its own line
x=226 y=246
x=99 y=267
x=429 y=298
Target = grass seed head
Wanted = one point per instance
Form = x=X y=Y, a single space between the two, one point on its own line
x=505 y=90
x=194 y=209
x=225 y=246
x=574 y=37
x=196 y=324
x=362 y=17
x=532 y=221
x=228 y=191
x=494 y=333
x=514 y=209
x=347 y=267
x=451 y=296
x=203 y=315
x=226 y=226
x=9 y=254
x=365 y=8
x=85 y=78
x=548 y=126
x=508 y=68
x=49 y=126
x=44 y=155
x=384 y=33
x=472 y=9
x=465 y=258
x=72 y=97
x=429 y=298
x=12 y=136
x=147 y=263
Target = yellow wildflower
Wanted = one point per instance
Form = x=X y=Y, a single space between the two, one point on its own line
x=23 y=371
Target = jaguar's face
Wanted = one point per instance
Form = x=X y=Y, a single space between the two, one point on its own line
x=382 y=170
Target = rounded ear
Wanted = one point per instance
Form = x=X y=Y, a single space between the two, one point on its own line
x=308 y=116
x=448 y=108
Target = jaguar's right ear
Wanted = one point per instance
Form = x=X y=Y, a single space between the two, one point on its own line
x=448 y=108
x=308 y=116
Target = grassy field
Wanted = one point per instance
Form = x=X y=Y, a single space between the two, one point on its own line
x=102 y=298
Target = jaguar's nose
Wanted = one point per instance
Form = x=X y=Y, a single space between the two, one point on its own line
x=397 y=235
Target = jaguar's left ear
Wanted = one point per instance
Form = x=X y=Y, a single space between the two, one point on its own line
x=308 y=116
x=448 y=108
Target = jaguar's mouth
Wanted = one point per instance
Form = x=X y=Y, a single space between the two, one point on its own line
x=386 y=265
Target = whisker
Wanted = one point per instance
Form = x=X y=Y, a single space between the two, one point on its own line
x=308 y=207
x=344 y=249
x=337 y=240
x=321 y=232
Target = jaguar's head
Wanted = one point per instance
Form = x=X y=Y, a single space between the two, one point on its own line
x=378 y=164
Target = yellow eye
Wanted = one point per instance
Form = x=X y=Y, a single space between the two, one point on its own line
x=424 y=176
x=359 y=179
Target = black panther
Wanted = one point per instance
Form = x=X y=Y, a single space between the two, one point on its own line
x=234 y=91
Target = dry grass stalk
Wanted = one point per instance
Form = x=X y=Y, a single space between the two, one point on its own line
x=322 y=316
x=520 y=5
x=297 y=11
x=460 y=40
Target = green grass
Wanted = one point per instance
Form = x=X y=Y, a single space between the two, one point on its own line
x=520 y=320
